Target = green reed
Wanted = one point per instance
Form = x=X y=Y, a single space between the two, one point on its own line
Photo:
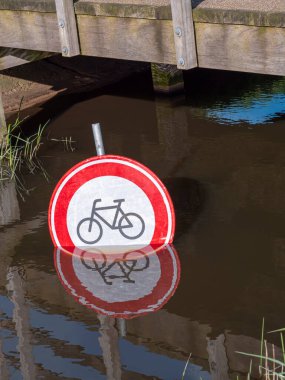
x=270 y=367
x=19 y=153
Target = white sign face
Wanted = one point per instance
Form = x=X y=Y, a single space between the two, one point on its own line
x=110 y=201
x=110 y=211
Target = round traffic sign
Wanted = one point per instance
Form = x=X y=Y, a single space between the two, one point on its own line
x=110 y=201
x=126 y=285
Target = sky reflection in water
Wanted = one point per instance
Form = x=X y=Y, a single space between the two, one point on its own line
x=254 y=107
x=262 y=110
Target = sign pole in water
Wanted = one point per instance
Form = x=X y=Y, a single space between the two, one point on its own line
x=96 y=128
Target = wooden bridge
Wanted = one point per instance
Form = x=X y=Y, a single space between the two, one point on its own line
x=240 y=35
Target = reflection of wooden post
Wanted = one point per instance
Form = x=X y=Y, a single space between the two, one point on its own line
x=9 y=239
x=218 y=358
x=4 y=375
x=9 y=206
x=21 y=319
x=109 y=342
x=122 y=326
x=173 y=131
x=3 y=127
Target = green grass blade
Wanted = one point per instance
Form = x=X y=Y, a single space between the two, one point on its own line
x=274 y=331
x=275 y=361
x=185 y=368
x=282 y=346
x=262 y=342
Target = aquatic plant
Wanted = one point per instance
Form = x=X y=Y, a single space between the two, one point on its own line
x=270 y=367
x=18 y=152
x=67 y=143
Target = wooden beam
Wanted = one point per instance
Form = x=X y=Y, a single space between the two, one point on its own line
x=241 y=48
x=67 y=28
x=184 y=35
x=111 y=37
x=15 y=57
x=219 y=46
x=127 y=38
x=29 y=30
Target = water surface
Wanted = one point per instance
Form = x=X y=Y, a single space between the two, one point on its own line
x=220 y=152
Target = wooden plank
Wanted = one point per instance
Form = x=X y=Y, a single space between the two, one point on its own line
x=245 y=12
x=29 y=30
x=67 y=28
x=28 y=5
x=154 y=9
x=130 y=39
x=184 y=35
x=127 y=38
x=15 y=57
x=241 y=48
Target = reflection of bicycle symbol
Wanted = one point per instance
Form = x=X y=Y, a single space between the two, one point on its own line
x=126 y=265
x=130 y=225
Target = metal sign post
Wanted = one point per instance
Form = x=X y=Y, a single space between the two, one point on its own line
x=96 y=128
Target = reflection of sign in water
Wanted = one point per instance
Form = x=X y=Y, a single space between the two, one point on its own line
x=130 y=262
x=110 y=201
x=120 y=285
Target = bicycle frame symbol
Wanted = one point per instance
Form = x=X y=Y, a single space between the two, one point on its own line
x=126 y=266
x=130 y=225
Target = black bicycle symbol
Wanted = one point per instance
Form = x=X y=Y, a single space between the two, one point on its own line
x=130 y=225
x=126 y=265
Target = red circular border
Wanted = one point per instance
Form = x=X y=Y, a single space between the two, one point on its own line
x=115 y=169
x=119 y=309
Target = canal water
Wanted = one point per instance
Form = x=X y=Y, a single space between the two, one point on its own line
x=220 y=151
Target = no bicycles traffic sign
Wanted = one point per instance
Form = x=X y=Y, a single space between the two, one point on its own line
x=110 y=201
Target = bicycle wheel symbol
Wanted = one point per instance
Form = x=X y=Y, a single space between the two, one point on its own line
x=89 y=231
x=131 y=226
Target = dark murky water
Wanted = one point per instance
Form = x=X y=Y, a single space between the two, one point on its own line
x=221 y=154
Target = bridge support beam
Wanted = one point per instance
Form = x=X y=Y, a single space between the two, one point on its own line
x=167 y=79
x=184 y=34
x=67 y=28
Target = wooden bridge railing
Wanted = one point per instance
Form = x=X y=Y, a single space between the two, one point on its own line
x=183 y=28
x=248 y=38
x=73 y=34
